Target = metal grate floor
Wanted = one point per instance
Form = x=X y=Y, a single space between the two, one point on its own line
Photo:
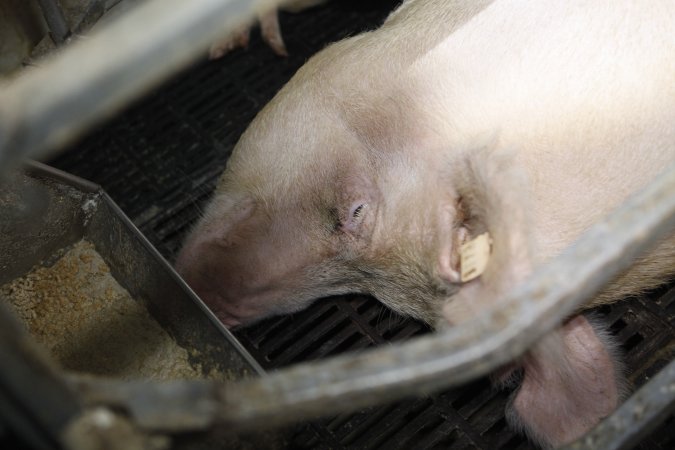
x=160 y=161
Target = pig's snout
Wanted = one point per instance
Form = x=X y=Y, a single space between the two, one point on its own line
x=244 y=267
x=219 y=289
x=228 y=281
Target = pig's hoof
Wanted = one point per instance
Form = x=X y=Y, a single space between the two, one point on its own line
x=238 y=39
x=271 y=34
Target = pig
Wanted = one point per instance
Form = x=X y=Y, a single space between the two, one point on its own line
x=389 y=150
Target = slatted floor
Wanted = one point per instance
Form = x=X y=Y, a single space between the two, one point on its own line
x=160 y=160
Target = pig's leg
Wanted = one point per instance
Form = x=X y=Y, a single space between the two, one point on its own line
x=269 y=28
x=568 y=385
x=271 y=32
x=238 y=39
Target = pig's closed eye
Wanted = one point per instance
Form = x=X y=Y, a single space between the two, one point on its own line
x=350 y=220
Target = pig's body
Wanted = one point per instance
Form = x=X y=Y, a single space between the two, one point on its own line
x=388 y=150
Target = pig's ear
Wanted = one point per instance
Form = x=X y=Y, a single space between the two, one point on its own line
x=452 y=218
x=570 y=383
x=495 y=197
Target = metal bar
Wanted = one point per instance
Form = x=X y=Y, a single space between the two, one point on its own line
x=472 y=349
x=58 y=27
x=169 y=406
x=47 y=107
x=94 y=11
x=37 y=402
x=636 y=418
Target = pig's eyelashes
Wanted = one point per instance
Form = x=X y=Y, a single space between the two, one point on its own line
x=356 y=215
x=350 y=220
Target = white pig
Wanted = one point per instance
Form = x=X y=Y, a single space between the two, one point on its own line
x=386 y=151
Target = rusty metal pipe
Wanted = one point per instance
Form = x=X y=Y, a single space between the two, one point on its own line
x=47 y=107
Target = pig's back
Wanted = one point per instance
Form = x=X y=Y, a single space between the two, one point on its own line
x=583 y=92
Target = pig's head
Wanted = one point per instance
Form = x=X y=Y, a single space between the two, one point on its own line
x=319 y=200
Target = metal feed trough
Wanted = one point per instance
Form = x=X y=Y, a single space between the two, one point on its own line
x=45 y=210
x=35 y=124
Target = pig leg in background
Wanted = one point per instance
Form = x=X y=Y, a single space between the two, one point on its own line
x=269 y=29
x=568 y=385
x=572 y=379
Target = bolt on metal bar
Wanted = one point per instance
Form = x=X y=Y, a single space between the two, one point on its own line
x=451 y=357
x=47 y=107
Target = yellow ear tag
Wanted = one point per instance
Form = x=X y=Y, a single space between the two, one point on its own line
x=474 y=256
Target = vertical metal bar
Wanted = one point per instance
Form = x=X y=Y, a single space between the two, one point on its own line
x=94 y=12
x=36 y=400
x=47 y=107
x=56 y=21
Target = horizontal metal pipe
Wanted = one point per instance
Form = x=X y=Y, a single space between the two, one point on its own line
x=92 y=78
x=451 y=357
